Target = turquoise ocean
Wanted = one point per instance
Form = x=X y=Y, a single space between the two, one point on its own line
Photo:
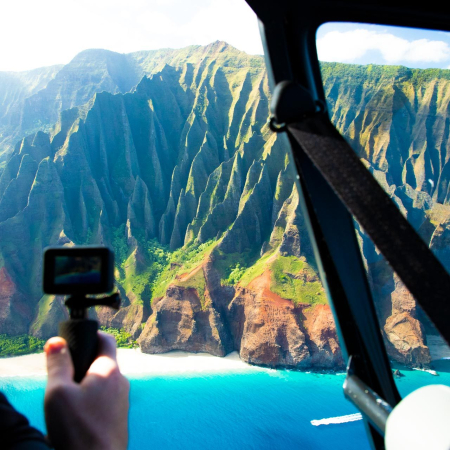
x=255 y=409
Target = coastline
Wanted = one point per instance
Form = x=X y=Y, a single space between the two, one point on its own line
x=133 y=362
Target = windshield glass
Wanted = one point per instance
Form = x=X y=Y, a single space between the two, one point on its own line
x=387 y=90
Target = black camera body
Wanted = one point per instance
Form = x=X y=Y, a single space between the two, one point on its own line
x=77 y=272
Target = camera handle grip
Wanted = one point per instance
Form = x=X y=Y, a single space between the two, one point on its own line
x=81 y=337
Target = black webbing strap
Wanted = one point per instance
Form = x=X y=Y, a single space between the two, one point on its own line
x=408 y=255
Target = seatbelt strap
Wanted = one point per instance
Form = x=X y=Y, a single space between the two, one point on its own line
x=365 y=199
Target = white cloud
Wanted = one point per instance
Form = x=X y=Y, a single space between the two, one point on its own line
x=39 y=33
x=349 y=46
x=226 y=21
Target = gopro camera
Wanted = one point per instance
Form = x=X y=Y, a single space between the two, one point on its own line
x=78 y=271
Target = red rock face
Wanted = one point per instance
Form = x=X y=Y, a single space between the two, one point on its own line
x=269 y=330
x=179 y=322
x=322 y=338
x=129 y=317
x=264 y=328
x=15 y=314
x=406 y=340
x=405 y=334
x=7 y=290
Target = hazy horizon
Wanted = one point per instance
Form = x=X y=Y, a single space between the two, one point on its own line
x=53 y=32
x=126 y=53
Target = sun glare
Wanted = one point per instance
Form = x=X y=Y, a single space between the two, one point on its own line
x=53 y=31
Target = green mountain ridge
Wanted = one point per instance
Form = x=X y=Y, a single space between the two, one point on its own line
x=33 y=100
x=397 y=121
x=167 y=157
x=143 y=162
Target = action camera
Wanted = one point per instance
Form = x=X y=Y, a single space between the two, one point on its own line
x=78 y=271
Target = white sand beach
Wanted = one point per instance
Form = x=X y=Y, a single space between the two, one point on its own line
x=134 y=362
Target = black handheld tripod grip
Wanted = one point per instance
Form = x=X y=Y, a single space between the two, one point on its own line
x=81 y=337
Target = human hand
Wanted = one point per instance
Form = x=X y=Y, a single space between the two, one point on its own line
x=92 y=414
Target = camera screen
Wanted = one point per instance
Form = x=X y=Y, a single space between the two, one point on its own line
x=77 y=270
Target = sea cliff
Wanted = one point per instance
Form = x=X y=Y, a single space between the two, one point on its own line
x=168 y=159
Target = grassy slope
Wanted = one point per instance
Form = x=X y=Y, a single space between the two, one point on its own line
x=164 y=268
x=289 y=274
x=290 y=280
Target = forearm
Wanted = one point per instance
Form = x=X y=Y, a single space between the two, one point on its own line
x=16 y=431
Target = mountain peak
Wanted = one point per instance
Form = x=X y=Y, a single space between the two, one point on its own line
x=94 y=54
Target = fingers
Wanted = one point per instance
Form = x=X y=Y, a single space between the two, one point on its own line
x=59 y=363
x=105 y=364
x=107 y=345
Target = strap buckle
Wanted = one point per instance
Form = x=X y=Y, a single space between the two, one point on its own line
x=291 y=103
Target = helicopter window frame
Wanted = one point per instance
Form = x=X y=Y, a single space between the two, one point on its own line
x=288 y=34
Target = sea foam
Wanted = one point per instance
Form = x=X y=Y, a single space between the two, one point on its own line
x=335 y=420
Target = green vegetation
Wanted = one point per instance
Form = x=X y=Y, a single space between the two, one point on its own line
x=161 y=266
x=192 y=254
x=119 y=243
x=136 y=277
x=198 y=282
x=123 y=338
x=357 y=75
x=228 y=91
x=236 y=274
x=180 y=261
x=255 y=270
x=292 y=278
x=232 y=266
x=20 y=345
x=44 y=306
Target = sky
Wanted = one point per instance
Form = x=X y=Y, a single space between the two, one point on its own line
x=46 y=32
x=376 y=44
x=37 y=33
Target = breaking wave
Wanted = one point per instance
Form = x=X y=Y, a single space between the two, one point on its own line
x=340 y=419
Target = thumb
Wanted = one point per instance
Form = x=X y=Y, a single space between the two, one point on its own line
x=59 y=363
